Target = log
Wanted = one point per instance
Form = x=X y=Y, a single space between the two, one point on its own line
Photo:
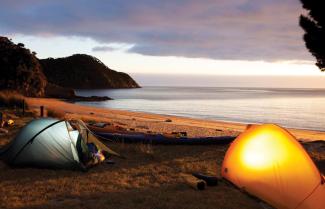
x=193 y=182
x=209 y=180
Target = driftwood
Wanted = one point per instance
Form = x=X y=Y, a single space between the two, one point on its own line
x=209 y=180
x=193 y=182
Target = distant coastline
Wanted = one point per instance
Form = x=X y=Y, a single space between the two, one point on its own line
x=22 y=72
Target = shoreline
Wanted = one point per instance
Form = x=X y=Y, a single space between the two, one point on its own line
x=147 y=172
x=157 y=122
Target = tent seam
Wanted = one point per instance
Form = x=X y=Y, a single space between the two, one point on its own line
x=312 y=192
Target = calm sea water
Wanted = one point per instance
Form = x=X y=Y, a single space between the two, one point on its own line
x=298 y=108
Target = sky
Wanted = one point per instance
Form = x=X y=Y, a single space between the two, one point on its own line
x=182 y=37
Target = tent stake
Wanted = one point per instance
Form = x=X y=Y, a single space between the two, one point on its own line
x=42 y=111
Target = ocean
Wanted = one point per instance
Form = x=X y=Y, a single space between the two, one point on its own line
x=295 y=108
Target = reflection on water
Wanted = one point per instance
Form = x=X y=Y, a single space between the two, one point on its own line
x=299 y=108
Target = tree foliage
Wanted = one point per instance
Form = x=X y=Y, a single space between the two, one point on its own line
x=20 y=70
x=313 y=24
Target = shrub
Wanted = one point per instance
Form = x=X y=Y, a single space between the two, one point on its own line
x=11 y=99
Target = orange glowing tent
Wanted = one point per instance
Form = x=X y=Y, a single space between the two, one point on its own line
x=268 y=162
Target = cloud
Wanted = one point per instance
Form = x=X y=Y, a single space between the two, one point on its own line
x=217 y=29
x=113 y=47
x=103 y=49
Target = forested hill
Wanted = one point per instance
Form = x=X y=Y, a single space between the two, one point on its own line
x=81 y=71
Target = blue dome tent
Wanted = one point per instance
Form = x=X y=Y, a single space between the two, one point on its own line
x=51 y=143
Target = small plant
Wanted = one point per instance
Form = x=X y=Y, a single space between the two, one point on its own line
x=146 y=149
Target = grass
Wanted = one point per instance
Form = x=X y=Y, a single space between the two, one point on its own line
x=146 y=149
x=55 y=113
x=150 y=177
x=137 y=182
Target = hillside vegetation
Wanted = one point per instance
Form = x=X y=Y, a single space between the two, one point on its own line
x=81 y=71
x=20 y=70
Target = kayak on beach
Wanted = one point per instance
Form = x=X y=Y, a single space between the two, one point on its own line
x=161 y=139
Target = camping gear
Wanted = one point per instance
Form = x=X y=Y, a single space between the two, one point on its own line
x=268 y=162
x=111 y=162
x=100 y=125
x=209 y=180
x=51 y=143
x=193 y=182
x=161 y=139
x=10 y=122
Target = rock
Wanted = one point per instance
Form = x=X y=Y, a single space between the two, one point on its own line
x=89 y=99
x=53 y=90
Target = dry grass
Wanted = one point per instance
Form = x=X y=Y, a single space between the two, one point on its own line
x=146 y=149
x=55 y=113
x=137 y=182
x=11 y=99
x=150 y=177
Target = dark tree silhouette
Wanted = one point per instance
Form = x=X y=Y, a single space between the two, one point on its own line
x=20 y=70
x=313 y=24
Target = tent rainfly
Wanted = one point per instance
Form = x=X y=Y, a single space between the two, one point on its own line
x=50 y=143
x=269 y=163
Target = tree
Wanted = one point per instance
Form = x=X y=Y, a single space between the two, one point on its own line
x=21 y=45
x=313 y=24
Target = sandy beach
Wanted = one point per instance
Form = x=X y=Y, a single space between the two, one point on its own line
x=156 y=122
x=150 y=177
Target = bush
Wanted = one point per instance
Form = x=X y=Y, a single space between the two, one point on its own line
x=11 y=99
